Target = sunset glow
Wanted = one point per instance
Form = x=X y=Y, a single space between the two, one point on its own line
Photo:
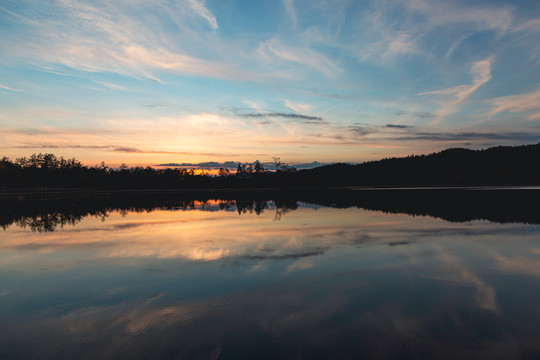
x=147 y=82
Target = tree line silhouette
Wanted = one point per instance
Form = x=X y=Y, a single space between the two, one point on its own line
x=49 y=171
x=503 y=165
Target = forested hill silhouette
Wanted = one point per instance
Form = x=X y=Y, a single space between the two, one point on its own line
x=503 y=165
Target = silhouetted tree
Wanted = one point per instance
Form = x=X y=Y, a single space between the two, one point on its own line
x=224 y=172
x=241 y=169
x=277 y=163
x=258 y=167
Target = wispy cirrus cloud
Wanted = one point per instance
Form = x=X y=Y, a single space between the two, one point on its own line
x=304 y=56
x=442 y=13
x=390 y=46
x=387 y=38
x=111 y=37
x=4 y=87
x=297 y=107
x=110 y=85
x=200 y=9
x=452 y=97
x=291 y=12
x=528 y=26
x=517 y=103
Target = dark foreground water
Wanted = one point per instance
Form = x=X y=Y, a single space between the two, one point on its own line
x=226 y=279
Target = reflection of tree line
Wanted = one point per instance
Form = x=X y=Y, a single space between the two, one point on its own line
x=282 y=207
x=47 y=222
x=45 y=216
x=451 y=204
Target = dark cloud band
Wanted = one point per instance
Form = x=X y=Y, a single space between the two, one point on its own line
x=282 y=115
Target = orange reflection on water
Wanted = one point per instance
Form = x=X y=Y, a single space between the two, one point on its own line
x=216 y=230
x=202 y=233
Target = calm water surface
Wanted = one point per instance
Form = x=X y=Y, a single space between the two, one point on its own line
x=218 y=281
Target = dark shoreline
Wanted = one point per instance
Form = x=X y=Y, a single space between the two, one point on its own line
x=47 y=193
x=454 y=204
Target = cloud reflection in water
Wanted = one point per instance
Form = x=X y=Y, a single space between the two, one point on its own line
x=321 y=282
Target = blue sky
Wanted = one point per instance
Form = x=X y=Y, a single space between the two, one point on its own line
x=148 y=82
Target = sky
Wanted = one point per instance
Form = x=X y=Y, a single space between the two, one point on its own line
x=146 y=82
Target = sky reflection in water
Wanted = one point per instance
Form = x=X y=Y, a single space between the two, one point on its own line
x=314 y=282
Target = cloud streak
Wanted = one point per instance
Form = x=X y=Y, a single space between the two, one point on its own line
x=517 y=103
x=389 y=47
x=415 y=114
x=395 y=126
x=471 y=136
x=300 y=55
x=291 y=12
x=282 y=115
x=115 y=148
x=200 y=9
x=4 y=87
x=481 y=74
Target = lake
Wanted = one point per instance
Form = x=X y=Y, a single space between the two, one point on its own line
x=385 y=276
